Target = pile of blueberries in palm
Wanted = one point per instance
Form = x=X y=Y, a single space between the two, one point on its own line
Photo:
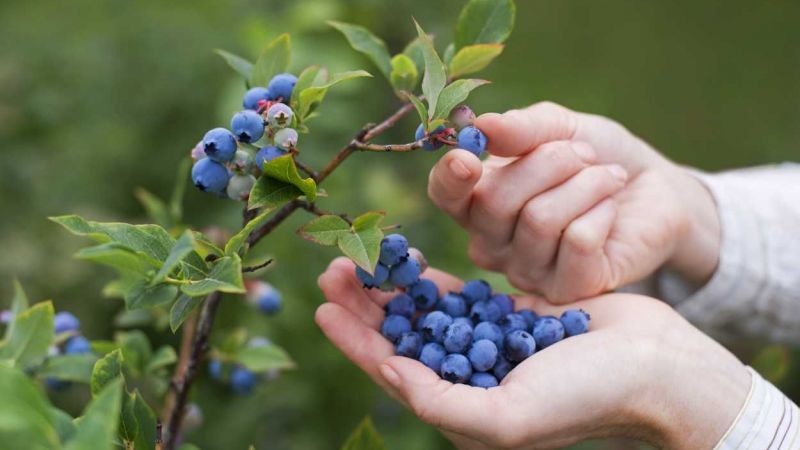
x=473 y=336
x=224 y=163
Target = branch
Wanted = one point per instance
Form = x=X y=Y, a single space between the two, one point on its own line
x=305 y=168
x=387 y=148
x=313 y=209
x=257 y=267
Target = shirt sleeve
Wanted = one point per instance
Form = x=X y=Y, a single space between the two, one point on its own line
x=755 y=290
x=768 y=420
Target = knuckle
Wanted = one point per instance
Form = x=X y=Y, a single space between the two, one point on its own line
x=521 y=279
x=558 y=156
x=581 y=239
x=538 y=218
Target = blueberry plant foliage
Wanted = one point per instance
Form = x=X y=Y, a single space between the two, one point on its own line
x=174 y=275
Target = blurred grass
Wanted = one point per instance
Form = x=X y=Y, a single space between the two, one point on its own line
x=98 y=97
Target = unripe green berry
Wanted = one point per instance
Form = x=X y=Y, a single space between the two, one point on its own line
x=286 y=138
x=242 y=162
x=239 y=187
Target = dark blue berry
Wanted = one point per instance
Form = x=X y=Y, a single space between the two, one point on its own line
x=210 y=176
x=409 y=344
x=281 y=86
x=530 y=317
x=518 y=345
x=381 y=274
x=485 y=311
x=502 y=367
x=429 y=144
x=425 y=294
x=394 y=248
x=472 y=140
x=434 y=326
x=457 y=338
x=490 y=331
x=247 y=126
x=65 y=321
x=432 y=355
x=401 y=305
x=483 y=355
x=453 y=305
x=405 y=273
x=242 y=380
x=575 y=321
x=253 y=96
x=504 y=302
x=77 y=344
x=456 y=368
x=512 y=322
x=219 y=145
x=547 y=330
x=394 y=326
x=476 y=291
x=483 y=380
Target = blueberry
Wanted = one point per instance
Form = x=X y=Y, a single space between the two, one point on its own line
x=434 y=326
x=490 y=331
x=242 y=162
x=270 y=303
x=476 y=291
x=429 y=144
x=420 y=322
x=502 y=367
x=457 y=337
x=416 y=255
x=425 y=293
x=281 y=86
x=505 y=303
x=518 y=345
x=512 y=322
x=404 y=274
x=394 y=326
x=456 y=368
x=263 y=296
x=394 y=248
x=483 y=355
x=242 y=380
x=401 y=305
x=239 y=187
x=219 y=145
x=197 y=152
x=286 y=138
x=530 y=317
x=280 y=115
x=462 y=116
x=379 y=276
x=253 y=96
x=465 y=320
x=472 y=139
x=547 y=330
x=485 y=311
x=77 y=344
x=210 y=176
x=247 y=126
x=483 y=380
x=453 y=305
x=432 y=355
x=409 y=344
x=65 y=321
x=575 y=321
x=215 y=369
x=267 y=154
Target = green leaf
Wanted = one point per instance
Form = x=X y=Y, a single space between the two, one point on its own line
x=264 y=358
x=136 y=350
x=485 y=22
x=181 y=310
x=448 y=54
x=63 y=424
x=311 y=97
x=364 y=437
x=473 y=58
x=404 y=73
x=27 y=420
x=455 y=93
x=31 y=336
x=324 y=230
x=155 y=208
x=435 y=74
x=225 y=276
x=77 y=368
x=106 y=370
x=204 y=247
x=151 y=240
x=422 y=111
x=270 y=194
x=119 y=257
x=363 y=243
x=306 y=79
x=240 y=65
x=163 y=357
x=139 y=421
x=414 y=51
x=183 y=246
x=284 y=169
x=19 y=303
x=236 y=242
x=141 y=295
x=98 y=426
x=362 y=40
x=178 y=189
x=274 y=59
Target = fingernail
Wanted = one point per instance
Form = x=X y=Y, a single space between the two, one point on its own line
x=390 y=375
x=618 y=172
x=459 y=169
x=584 y=151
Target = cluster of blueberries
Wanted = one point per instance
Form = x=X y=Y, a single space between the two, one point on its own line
x=473 y=336
x=466 y=136
x=224 y=166
x=239 y=378
x=66 y=323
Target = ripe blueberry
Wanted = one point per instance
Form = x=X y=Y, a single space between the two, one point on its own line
x=404 y=274
x=416 y=255
x=434 y=326
x=425 y=293
x=420 y=322
x=253 y=96
x=485 y=311
x=432 y=355
x=456 y=368
x=394 y=248
x=462 y=116
x=210 y=176
x=77 y=344
x=518 y=345
x=502 y=367
x=465 y=320
x=453 y=305
x=472 y=139
x=547 y=330
x=409 y=344
x=505 y=303
x=394 y=326
x=483 y=380
x=401 y=305
x=263 y=296
x=242 y=380
x=65 y=321
x=529 y=316
x=286 y=138
x=512 y=322
x=476 y=291
x=215 y=369
x=239 y=187
x=380 y=275
x=457 y=337
x=247 y=125
x=281 y=86
x=483 y=355
x=267 y=154
x=429 y=144
x=575 y=321
x=490 y=331
x=219 y=145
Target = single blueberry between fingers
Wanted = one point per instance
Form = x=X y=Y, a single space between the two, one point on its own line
x=472 y=140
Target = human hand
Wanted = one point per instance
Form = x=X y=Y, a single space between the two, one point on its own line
x=642 y=371
x=571 y=205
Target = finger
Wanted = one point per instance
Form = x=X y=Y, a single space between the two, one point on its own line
x=340 y=285
x=501 y=193
x=451 y=181
x=543 y=219
x=520 y=131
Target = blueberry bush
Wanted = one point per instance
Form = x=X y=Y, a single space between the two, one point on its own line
x=177 y=276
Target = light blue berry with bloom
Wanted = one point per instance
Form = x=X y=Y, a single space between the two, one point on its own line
x=65 y=321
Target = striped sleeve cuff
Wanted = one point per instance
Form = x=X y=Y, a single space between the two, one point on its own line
x=768 y=420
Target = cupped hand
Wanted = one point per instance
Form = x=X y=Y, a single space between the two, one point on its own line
x=641 y=371
x=571 y=205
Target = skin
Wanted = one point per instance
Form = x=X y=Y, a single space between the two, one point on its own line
x=684 y=394
x=571 y=205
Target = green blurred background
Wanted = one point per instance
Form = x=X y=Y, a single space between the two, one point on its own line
x=98 y=97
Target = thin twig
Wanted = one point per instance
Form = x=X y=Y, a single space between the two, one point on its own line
x=388 y=147
x=307 y=169
x=257 y=267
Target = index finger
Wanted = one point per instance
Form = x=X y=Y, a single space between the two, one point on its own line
x=520 y=131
